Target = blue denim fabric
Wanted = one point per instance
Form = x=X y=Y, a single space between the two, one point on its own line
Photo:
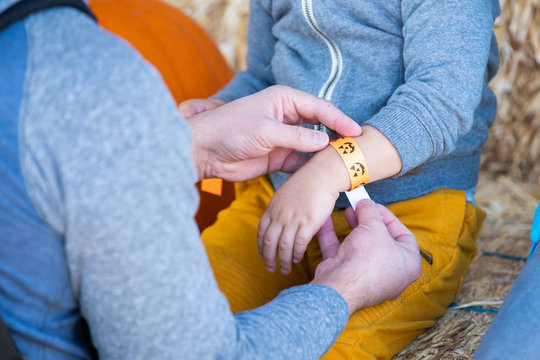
x=515 y=330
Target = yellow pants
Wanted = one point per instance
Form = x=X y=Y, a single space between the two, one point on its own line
x=445 y=226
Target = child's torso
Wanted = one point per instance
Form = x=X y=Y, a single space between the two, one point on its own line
x=354 y=53
x=349 y=52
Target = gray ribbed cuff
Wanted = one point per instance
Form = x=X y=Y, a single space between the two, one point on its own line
x=407 y=133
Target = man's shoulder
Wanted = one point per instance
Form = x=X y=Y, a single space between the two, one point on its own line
x=70 y=53
x=84 y=81
x=90 y=99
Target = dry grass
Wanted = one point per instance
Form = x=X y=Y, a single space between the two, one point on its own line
x=225 y=21
x=514 y=145
x=508 y=189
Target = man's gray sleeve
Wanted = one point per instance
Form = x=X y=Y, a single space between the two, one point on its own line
x=106 y=158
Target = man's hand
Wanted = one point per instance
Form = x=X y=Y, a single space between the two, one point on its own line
x=257 y=134
x=375 y=263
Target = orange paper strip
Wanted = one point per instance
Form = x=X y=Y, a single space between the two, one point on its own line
x=212 y=186
x=354 y=160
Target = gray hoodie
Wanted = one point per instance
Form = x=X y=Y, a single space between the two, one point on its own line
x=417 y=70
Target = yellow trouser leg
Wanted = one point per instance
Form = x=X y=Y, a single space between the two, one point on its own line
x=444 y=224
x=231 y=245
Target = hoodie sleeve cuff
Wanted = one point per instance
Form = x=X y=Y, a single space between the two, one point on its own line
x=406 y=132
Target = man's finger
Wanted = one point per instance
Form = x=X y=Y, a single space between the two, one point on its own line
x=299 y=104
x=368 y=213
x=296 y=137
x=328 y=241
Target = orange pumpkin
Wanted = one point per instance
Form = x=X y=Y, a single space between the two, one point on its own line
x=188 y=60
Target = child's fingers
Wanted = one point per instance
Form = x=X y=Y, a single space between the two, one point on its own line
x=285 y=248
x=328 y=241
x=261 y=230
x=193 y=106
x=270 y=243
x=301 y=241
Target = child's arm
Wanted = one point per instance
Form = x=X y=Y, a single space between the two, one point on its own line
x=446 y=49
x=305 y=201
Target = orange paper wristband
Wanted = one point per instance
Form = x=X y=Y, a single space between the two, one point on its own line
x=354 y=160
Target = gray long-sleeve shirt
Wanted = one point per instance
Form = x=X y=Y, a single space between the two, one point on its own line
x=97 y=239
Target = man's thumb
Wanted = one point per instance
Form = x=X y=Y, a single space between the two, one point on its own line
x=368 y=213
x=301 y=139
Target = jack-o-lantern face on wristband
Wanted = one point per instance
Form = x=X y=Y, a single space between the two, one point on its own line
x=354 y=160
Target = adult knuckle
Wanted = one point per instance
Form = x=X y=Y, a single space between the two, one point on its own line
x=298 y=134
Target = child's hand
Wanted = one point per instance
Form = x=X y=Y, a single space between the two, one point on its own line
x=194 y=106
x=299 y=208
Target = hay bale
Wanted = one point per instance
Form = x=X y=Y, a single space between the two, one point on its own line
x=514 y=144
x=225 y=21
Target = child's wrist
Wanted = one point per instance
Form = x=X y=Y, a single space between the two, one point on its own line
x=331 y=170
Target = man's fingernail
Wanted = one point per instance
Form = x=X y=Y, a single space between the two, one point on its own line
x=366 y=202
x=321 y=138
x=296 y=260
x=270 y=269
